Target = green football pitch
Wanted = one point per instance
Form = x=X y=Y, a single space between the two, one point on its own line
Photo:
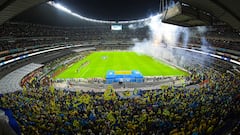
x=98 y=63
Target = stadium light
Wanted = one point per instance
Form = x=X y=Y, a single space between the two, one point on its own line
x=58 y=6
x=64 y=9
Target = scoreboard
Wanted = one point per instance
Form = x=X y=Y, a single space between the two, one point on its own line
x=116 y=27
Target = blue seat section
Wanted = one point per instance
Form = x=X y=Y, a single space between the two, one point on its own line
x=135 y=76
x=12 y=121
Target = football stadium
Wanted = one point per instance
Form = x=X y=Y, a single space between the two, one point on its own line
x=163 y=67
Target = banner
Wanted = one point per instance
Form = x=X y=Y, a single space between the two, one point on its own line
x=109 y=93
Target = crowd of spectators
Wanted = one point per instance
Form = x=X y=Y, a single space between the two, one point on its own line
x=15 y=35
x=28 y=44
x=10 y=33
x=214 y=42
x=223 y=30
x=17 y=38
x=17 y=30
x=172 y=110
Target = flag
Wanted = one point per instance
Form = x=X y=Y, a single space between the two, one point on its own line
x=41 y=89
x=78 y=92
x=52 y=102
x=85 y=98
x=61 y=93
x=75 y=123
x=166 y=112
x=135 y=92
x=24 y=90
x=143 y=117
x=164 y=87
x=109 y=94
x=51 y=88
x=127 y=93
x=183 y=83
x=110 y=117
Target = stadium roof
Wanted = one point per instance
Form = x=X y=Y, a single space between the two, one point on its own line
x=227 y=11
x=111 y=10
x=11 y=8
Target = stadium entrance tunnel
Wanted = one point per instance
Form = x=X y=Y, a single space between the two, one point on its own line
x=123 y=76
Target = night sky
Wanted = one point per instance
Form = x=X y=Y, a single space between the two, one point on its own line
x=112 y=10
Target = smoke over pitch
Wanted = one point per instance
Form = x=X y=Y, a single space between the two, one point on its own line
x=161 y=36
